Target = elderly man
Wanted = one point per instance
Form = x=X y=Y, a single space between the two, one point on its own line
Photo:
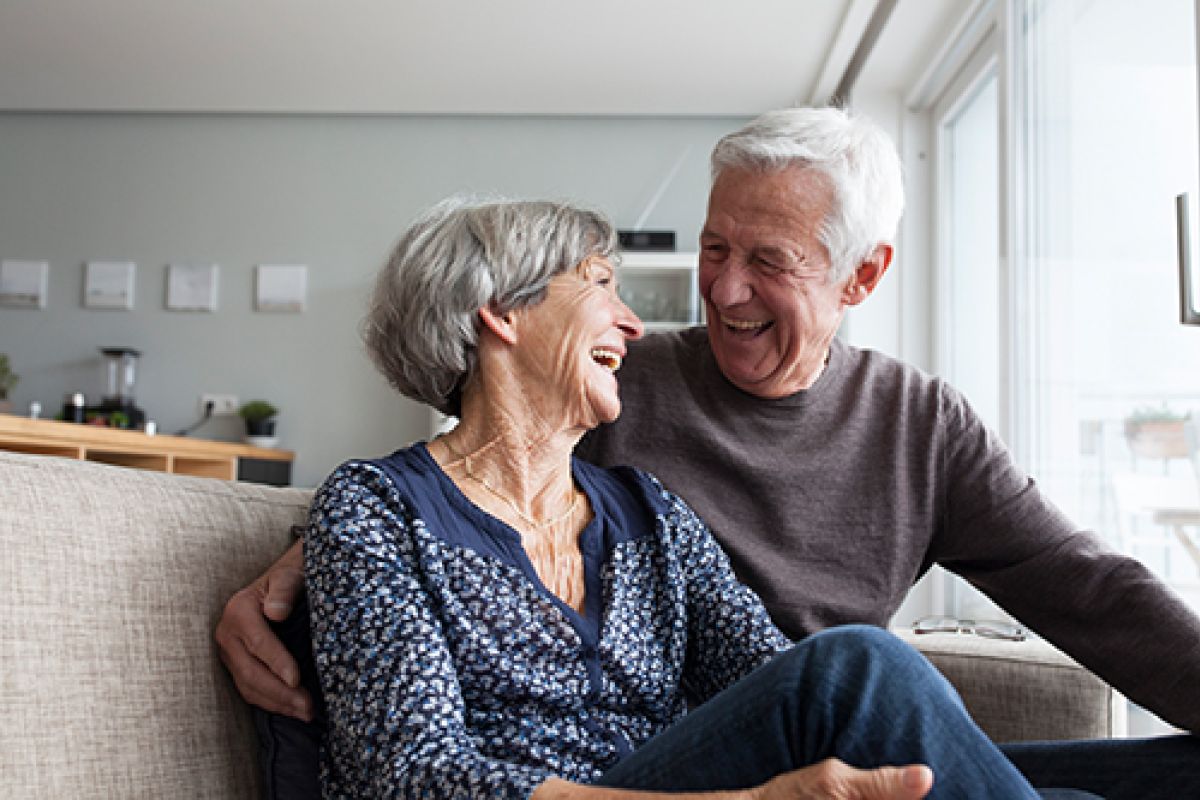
x=836 y=477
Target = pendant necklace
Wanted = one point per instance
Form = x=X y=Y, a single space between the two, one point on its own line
x=567 y=515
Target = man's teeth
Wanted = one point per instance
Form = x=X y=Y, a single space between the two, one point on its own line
x=744 y=324
x=609 y=359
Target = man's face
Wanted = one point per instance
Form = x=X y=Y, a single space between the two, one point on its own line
x=764 y=276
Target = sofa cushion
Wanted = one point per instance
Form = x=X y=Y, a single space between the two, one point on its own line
x=111 y=582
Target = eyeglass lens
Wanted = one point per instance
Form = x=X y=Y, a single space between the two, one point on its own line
x=990 y=629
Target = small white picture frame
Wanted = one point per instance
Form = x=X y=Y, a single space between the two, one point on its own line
x=23 y=283
x=281 y=288
x=109 y=285
x=192 y=287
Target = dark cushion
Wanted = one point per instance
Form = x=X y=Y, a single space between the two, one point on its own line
x=289 y=749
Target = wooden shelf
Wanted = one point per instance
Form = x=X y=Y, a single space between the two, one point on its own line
x=199 y=457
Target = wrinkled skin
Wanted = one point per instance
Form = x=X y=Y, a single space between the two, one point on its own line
x=772 y=307
x=564 y=386
x=830 y=779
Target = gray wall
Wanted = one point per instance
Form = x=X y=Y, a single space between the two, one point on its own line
x=330 y=192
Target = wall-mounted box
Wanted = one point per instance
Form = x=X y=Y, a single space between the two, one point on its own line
x=23 y=284
x=109 y=285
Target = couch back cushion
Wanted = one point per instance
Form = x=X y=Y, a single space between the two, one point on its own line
x=111 y=581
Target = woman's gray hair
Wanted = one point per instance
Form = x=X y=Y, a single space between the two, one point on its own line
x=422 y=326
x=859 y=159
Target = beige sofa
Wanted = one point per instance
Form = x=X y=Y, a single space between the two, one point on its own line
x=112 y=579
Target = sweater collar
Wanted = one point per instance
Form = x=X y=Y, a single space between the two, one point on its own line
x=826 y=382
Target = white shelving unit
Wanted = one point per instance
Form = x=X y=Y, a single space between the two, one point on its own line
x=661 y=288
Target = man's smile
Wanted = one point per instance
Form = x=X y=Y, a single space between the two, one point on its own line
x=752 y=325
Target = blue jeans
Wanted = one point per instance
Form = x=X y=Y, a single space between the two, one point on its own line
x=1162 y=768
x=855 y=693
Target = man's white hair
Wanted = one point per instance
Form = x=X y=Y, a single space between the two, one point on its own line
x=857 y=157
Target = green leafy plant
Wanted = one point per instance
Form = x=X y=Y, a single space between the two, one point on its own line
x=1154 y=414
x=8 y=378
x=257 y=410
x=1156 y=432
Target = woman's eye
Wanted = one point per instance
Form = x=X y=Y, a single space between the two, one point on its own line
x=604 y=280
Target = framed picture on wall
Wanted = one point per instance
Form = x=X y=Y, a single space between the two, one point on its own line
x=281 y=287
x=109 y=285
x=23 y=284
x=192 y=287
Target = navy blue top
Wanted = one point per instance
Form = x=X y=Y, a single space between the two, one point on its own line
x=449 y=669
x=619 y=517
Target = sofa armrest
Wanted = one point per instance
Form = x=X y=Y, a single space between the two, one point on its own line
x=1023 y=691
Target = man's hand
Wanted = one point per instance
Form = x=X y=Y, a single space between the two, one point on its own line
x=263 y=669
x=834 y=780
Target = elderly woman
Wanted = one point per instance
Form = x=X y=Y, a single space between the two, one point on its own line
x=492 y=618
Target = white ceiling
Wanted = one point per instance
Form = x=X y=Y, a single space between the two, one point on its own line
x=612 y=57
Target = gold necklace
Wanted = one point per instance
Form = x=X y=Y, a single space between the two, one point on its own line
x=567 y=515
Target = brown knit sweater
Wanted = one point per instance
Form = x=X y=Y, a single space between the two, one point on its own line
x=833 y=501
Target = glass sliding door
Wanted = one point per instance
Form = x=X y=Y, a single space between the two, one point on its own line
x=968 y=342
x=968 y=265
x=1105 y=123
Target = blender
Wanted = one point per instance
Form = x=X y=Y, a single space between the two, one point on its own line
x=118 y=405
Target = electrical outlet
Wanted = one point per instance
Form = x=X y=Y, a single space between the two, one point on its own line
x=224 y=405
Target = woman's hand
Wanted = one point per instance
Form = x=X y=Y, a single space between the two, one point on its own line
x=829 y=780
x=263 y=670
x=834 y=780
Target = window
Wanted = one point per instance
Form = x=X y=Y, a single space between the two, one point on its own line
x=1106 y=123
x=967 y=276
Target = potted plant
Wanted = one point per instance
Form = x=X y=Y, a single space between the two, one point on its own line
x=1156 y=432
x=8 y=381
x=260 y=422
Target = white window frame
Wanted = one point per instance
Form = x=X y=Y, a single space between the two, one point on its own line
x=981 y=66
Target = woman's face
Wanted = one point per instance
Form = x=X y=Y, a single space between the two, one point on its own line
x=570 y=346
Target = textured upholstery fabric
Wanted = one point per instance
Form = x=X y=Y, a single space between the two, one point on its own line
x=111 y=581
x=1022 y=691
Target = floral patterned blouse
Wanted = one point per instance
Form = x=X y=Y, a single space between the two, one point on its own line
x=450 y=671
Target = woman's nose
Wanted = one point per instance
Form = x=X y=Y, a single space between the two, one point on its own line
x=629 y=322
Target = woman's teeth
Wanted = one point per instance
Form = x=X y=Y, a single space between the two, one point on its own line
x=609 y=359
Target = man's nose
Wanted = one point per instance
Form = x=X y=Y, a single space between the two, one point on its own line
x=729 y=285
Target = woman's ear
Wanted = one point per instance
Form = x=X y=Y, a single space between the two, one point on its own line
x=502 y=325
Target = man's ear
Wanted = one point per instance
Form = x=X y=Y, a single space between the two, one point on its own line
x=502 y=325
x=867 y=275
